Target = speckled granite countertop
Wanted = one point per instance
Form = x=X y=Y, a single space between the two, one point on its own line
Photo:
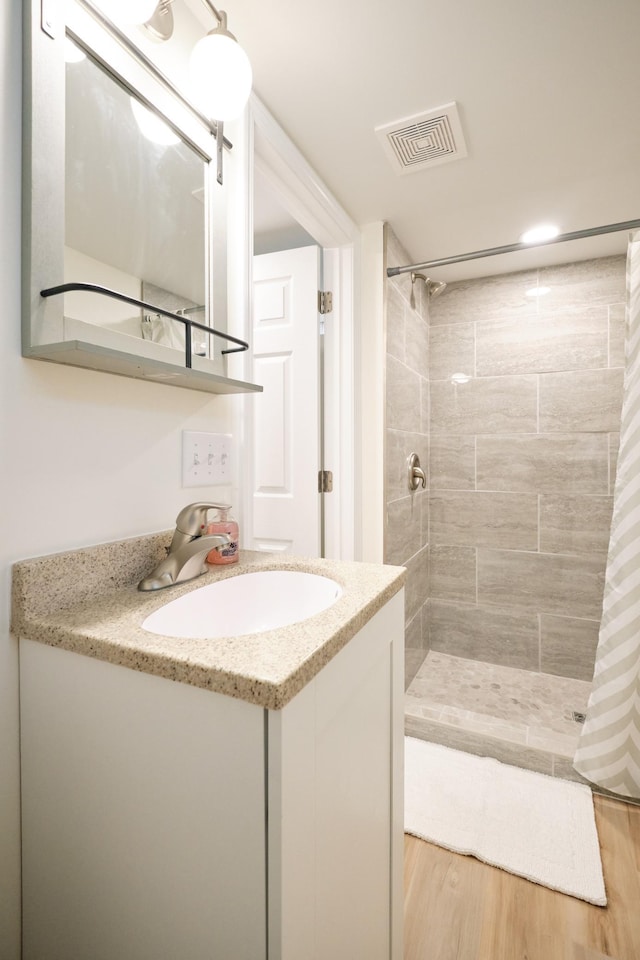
x=87 y=601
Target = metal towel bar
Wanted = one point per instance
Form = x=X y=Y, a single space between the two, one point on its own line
x=115 y=295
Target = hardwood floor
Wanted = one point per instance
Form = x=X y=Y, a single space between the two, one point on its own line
x=457 y=908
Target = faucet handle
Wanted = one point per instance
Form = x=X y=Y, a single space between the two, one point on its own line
x=193 y=518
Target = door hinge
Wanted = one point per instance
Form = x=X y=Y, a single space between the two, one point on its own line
x=325 y=301
x=325 y=481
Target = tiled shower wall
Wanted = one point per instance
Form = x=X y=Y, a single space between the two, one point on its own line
x=522 y=461
x=407 y=431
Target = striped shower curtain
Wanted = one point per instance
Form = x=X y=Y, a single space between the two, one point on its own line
x=609 y=748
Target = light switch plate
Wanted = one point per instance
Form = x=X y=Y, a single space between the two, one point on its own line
x=206 y=458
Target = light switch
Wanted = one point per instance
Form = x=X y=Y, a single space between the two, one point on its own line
x=206 y=458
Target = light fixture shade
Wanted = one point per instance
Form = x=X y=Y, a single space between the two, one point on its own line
x=152 y=126
x=221 y=76
x=128 y=11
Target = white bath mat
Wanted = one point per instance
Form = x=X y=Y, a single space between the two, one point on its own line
x=529 y=824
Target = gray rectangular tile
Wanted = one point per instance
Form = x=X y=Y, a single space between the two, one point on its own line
x=489 y=634
x=581 y=402
x=416 y=343
x=415 y=706
x=415 y=635
x=395 y=306
x=452 y=574
x=403 y=407
x=568 y=341
x=567 y=463
x=483 y=724
x=617 y=328
x=452 y=463
x=575 y=524
x=545 y=582
x=437 y=731
x=586 y=281
x=452 y=350
x=403 y=529
x=414 y=647
x=488 y=405
x=425 y=406
x=413 y=659
x=558 y=744
x=486 y=298
x=417 y=584
x=426 y=512
x=568 y=646
x=508 y=520
x=395 y=256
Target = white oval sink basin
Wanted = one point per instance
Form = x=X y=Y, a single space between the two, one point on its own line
x=247 y=603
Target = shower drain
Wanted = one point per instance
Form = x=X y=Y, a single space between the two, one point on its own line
x=578 y=717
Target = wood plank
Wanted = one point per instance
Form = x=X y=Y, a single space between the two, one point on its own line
x=444 y=902
x=457 y=908
x=584 y=953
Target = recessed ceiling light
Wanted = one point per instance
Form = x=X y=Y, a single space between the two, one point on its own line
x=460 y=378
x=538 y=292
x=545 y=231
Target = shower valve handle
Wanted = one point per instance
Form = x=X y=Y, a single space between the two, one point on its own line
x=415 y=473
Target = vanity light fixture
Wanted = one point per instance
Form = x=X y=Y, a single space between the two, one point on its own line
x=544 y=231
x=128 y=11
x=220 y=71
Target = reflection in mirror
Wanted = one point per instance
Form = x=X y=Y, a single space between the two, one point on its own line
x=134 y=211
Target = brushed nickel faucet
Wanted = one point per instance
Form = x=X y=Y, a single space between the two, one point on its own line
x=189 y=547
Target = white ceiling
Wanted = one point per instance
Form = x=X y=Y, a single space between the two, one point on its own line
x=548 y=95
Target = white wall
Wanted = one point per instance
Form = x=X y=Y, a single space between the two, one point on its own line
x=85 y=457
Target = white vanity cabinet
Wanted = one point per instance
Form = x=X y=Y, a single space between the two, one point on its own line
x=166 y=822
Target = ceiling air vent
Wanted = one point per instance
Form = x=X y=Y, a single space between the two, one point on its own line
x=424 y=140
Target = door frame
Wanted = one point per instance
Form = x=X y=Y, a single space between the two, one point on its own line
x=303 y=194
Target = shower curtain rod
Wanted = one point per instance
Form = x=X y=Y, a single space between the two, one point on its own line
x=514 y=247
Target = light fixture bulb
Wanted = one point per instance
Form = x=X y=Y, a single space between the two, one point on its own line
x=128 y=11
x=73 y=53
x=151 y=126
x=221 y=76
x=545 y=231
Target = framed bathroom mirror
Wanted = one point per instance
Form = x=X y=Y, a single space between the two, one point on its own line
x=120 y=194
x=135 y=217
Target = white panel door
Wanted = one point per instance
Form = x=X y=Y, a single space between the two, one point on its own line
x=285 y=505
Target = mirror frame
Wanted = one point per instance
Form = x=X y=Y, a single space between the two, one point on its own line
x=43 y=323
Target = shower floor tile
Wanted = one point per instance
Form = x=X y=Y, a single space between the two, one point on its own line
x=502 y=703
